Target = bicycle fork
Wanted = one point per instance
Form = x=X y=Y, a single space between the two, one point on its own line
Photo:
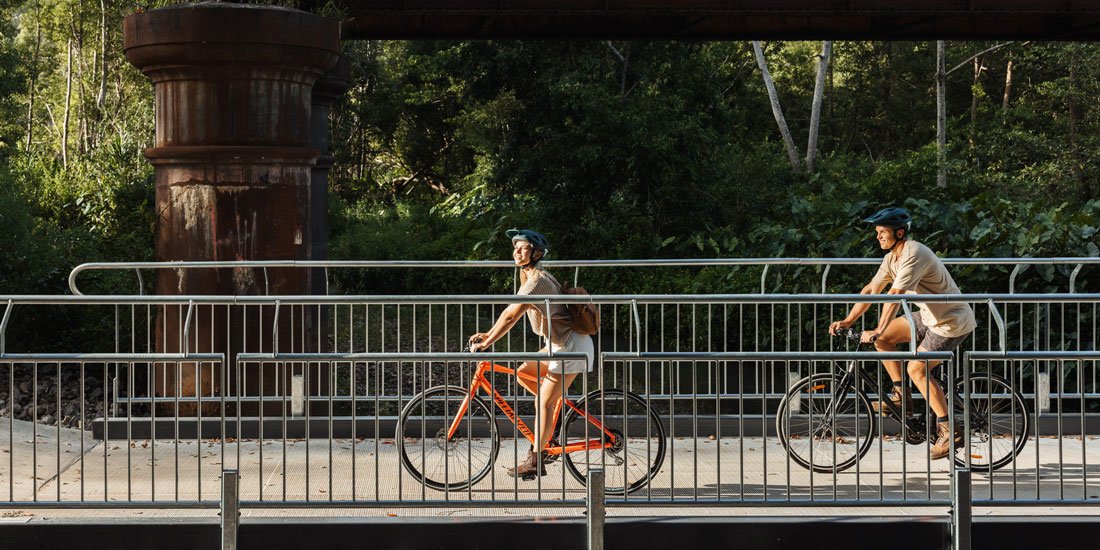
x=838 y=392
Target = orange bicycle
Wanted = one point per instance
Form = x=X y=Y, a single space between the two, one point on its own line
x=449 y=439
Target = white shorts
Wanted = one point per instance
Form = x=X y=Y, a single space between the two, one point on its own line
x=578 y=343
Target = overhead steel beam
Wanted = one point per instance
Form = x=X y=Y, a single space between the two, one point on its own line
x=721 y=19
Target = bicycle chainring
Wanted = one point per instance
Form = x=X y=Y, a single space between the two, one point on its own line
x=916 y=430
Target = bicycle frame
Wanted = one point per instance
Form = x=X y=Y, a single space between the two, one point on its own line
x=480 y=382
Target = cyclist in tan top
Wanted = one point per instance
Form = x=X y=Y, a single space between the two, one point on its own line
x=912 y=268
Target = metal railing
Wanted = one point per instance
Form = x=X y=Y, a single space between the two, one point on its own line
x=713 y=368
x=659 y=323
x=324 y=267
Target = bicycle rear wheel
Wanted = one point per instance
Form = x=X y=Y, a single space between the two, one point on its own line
x=636 y=454
x=432 y=458
x=823 y=433
x=999 y=421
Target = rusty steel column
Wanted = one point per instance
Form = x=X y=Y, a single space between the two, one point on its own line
x=328 y=89
x=232 y=87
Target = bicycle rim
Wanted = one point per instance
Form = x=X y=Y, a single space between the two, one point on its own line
x=999 y=422
x=429 y=456
x=823 y=434
x=640 y=450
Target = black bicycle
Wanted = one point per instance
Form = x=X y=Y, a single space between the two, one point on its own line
x=827 y=423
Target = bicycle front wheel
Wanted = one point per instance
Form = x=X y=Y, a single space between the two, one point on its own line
x=617 y=431
x=438 y=461
x=999 y=421
x=823 y=428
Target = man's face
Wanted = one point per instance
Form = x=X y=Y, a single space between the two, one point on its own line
x=523 y=253
x=885 y=236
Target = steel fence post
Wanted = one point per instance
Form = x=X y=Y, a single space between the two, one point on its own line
x=596 y=508
x=961 y=512
x=230 y=509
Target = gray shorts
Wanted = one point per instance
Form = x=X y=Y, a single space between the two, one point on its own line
x=930 y=341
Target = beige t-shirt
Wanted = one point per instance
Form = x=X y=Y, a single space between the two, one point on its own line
x=538 y=283
x=918 y=271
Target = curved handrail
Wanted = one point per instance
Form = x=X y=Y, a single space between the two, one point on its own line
x=577 y=264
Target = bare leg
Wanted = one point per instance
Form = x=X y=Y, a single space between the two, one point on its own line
x=897 y=332
x=552 y=389
x=918 y=373
x=547 y=392
x=531 y=370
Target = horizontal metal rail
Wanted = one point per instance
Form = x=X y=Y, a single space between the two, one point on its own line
x=778 y=356
x=599 y=299
x=551 y=264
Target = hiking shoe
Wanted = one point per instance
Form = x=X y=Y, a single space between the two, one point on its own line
x=942 y=447
x=895 y=398
x=529 y=468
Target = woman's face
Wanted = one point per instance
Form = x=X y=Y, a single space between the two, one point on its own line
x=523 y=253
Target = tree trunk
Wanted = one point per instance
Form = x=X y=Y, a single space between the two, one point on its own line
x=102 y=96
x=68 y=101
x=978 y=67
x=33 y=77
x=815 y=110
x=1077 y=163
x=777 y=110
x=1008 y=86
x=941 y=113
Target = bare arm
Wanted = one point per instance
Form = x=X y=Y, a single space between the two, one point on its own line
x=859 y=309
x=508 y=318
x=889 y=311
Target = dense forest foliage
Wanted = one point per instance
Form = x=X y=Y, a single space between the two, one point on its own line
x=614 y=149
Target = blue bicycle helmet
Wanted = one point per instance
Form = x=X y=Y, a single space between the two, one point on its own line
x=537 y=240
x=894 y=218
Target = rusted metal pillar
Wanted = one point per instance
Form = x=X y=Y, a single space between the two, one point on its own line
x=232 y=155
x=328 y=89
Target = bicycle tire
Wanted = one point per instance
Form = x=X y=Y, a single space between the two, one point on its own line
x=622 y=474
x=802 y=409
x=988 y=449
x=437 y=462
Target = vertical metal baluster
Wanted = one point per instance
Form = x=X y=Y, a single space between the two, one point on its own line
x=694 y=413
x=106 y=425
x=1061 y=433
x=694 y=428
x=1084 y=437
x=198 y=410
x=331 y=434
x=741 y=399
x=309 y=418
x=722 y=375
x=57 y=420
x=83 y=428
x=1035 y=381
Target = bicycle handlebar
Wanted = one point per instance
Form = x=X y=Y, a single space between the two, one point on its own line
x=850 y=334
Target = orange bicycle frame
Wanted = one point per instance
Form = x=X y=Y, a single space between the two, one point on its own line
x=481 y=382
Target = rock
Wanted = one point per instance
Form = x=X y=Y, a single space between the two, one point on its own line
x=47 y=419
x=23 y=387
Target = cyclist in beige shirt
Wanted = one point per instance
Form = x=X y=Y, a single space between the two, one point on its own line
x=912 y=268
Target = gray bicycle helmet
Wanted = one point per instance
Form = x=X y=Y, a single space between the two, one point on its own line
x=537 y=240
x=894 y=218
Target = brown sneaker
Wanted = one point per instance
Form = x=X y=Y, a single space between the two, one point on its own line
x=529 y=468
x=942 y=446
x=895 y=398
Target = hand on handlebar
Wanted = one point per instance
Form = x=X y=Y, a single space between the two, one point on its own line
x=836 y=327
x=868 y=336
x=476 y=342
